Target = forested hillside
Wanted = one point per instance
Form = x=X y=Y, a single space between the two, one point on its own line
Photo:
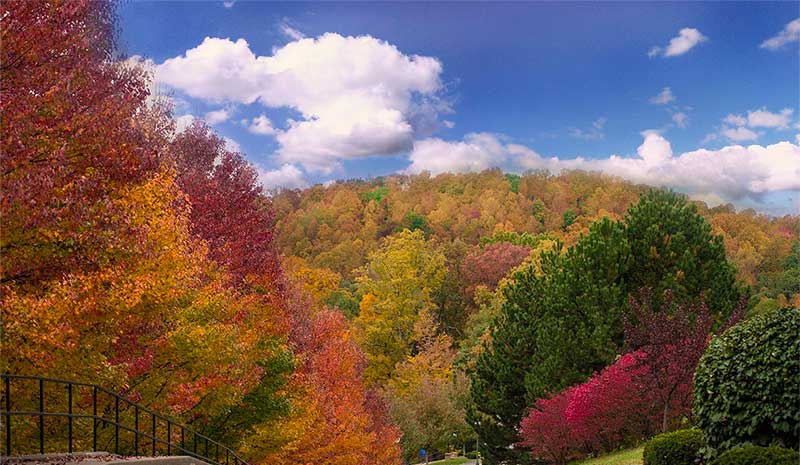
x=423 y=267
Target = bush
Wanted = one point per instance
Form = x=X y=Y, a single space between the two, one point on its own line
x=756 y=455
x=607 y=411
x=676 y=448
x=747 y=385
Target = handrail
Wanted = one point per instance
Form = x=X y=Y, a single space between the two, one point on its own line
x=231 y=458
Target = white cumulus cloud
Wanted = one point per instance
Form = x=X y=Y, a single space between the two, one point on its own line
x=740 y=134
x=789 y=33
x=477 y=152
x=686 y=40
x=356 y=95
x=736 y=120
x=260 y=125
x=287 y=176
x=765 y=119
x=732 y=173
x=739 y=128
x=217 y=116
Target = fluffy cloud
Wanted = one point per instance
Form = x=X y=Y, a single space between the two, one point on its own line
x=476 y=152
x=765 y=119
x=739 y=128
x=287 y=176
x=260 y=125
x=790 y=33
x=663 y=97
x=217 y=116
x=356 y=95
x=736 y=120
x=732 y=173
x=740 y=134
x=686 y=39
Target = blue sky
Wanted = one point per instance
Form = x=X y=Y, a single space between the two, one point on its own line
x=316 y=92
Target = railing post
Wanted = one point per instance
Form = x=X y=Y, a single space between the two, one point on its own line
x=227 y=455
x=8 y=416
x=216 y=454
x=41 y=416
x=94 y=419
x=169 y=437
x=154 y=434
x=183 y=446
x=194 y=443
x=136 y=427
x=206 y=453
x=69 y=418
x=116 y=424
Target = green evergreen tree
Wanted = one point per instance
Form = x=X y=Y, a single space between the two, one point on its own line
x=559 y=325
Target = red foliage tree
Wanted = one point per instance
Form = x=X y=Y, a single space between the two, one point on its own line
x=612 y=406
x=547 y=432
x=229 y=210
x=70 y=135
x=489 y=265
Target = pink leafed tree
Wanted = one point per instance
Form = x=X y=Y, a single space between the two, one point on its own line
x=612 y=406
x=547 y=432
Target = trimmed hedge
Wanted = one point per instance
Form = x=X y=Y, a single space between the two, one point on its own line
x=747 y=385
x=676 y=448
x=756 y=455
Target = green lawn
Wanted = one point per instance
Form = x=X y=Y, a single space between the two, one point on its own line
x=626 y=457
x=455 y=461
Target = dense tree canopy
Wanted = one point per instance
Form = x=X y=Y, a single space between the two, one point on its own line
x=561 y=322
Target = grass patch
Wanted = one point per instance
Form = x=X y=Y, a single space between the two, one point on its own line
x=625 y=457
x=454 y=461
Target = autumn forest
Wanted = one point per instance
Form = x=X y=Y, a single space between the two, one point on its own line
x=357 y=322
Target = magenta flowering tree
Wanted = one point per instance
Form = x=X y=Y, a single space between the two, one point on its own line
x=547 y=433
x=609 y=409
x=613 y=406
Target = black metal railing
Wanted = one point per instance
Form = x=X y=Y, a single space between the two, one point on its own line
x=175 y=438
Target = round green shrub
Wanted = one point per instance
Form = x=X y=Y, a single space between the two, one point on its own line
x=747 y=385
x=676 y=448
x=757 y=455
